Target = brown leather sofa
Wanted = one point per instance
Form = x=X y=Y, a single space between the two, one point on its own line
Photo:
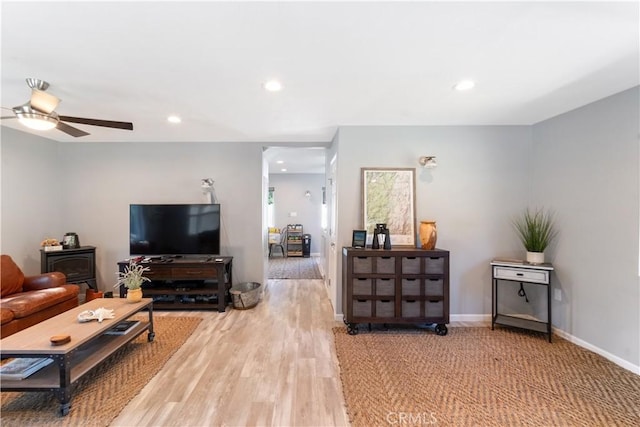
x=25 y=301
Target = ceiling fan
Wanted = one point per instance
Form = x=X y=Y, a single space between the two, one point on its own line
x=38 y=113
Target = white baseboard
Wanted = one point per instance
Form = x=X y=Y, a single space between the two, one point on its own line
x=481 y=319
x=615 y=359
x=485 y=319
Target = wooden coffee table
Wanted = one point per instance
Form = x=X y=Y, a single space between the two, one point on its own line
x=88 y=346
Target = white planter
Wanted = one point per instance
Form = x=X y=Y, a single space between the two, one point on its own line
x=535 y=257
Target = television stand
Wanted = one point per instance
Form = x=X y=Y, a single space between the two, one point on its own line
x=187 y=284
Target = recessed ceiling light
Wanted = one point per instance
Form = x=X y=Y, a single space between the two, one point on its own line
x=174 y=119
x=464 y=85
x=280 y=162
x=283 y=170
x=272 y=86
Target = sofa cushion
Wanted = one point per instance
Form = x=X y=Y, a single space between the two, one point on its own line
x=26 y=303
x=6 y=315
x=12 y=277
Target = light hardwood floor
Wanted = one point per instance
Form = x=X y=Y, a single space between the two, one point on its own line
x=273 y=365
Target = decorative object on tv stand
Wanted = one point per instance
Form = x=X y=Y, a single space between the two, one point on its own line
x=381 y=238
x=50 y=245
x=536 y=230
x=71 y=241
x=428 y=162
x=132 y=278
x=428 y=235
x=209 y=191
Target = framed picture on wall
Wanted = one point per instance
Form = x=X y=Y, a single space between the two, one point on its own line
x=388 y=197
x=359 y=239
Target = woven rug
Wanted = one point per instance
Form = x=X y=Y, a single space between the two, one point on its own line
x=294 y=268
x=480 y=377
x=105 y=391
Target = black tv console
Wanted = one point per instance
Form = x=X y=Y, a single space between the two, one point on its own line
x=186 y=283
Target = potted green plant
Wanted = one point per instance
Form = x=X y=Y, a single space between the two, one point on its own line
x=536 y=230
x=132 y=278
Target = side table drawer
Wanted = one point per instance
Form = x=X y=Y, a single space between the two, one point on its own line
x=526 y=275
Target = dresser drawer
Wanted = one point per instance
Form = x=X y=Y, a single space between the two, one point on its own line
x=526 y=275
x=411 y=287
x=385 y=308
x=410 y=308
x=411 y=265
x=362 y=287
x=362 y=265
x=385 y=287
x=434 y=287
x=433 y=308
x=385 y=265
x=434 y=265
x=361 y=308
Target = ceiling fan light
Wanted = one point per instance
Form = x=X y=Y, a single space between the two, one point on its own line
x=37 y=121
x=43 y=101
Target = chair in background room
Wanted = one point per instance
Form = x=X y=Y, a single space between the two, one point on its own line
x=277 y=238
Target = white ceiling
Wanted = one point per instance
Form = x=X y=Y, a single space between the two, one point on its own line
x=356 y=63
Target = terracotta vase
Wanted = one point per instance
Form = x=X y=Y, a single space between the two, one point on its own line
x=428 y=234
x=134 y=295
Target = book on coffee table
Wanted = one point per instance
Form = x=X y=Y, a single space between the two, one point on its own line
x=21 y=368
x=123 y=327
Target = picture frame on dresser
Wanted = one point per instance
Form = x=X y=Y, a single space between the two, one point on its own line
x=389 y=197
x=359 y=239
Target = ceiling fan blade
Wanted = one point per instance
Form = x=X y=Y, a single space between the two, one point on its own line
x=70 y=130
x=43 y=101
x=96 y=122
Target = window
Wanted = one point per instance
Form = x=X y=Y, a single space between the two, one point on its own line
x=271 y=207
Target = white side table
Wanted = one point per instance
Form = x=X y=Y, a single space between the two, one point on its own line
x=522 y=272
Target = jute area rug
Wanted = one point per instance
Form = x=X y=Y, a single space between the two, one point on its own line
x=104 y=392
x=480 y=377
x=294 y=268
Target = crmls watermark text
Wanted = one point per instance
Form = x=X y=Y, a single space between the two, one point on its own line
x=411 y=418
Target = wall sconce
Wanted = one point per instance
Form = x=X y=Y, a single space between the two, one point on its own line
x=307 y=194
x=207 y=189
x=207 y=184
x=428 y=162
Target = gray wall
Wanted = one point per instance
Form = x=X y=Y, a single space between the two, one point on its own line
x=87 y=188
x=481 y=181
x=586 y=169
x=289 y=197
x=30 y=206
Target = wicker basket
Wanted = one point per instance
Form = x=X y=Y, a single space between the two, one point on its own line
x=245 y=295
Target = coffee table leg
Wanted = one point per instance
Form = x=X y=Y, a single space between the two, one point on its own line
x=151 y=335
x=64 y=391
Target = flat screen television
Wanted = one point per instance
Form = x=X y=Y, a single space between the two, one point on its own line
x=165 y=230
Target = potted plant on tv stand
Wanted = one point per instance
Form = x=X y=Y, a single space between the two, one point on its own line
x=536 y=230
x=132 y=278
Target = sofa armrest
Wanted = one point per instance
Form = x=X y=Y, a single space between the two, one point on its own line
x=44 y=281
